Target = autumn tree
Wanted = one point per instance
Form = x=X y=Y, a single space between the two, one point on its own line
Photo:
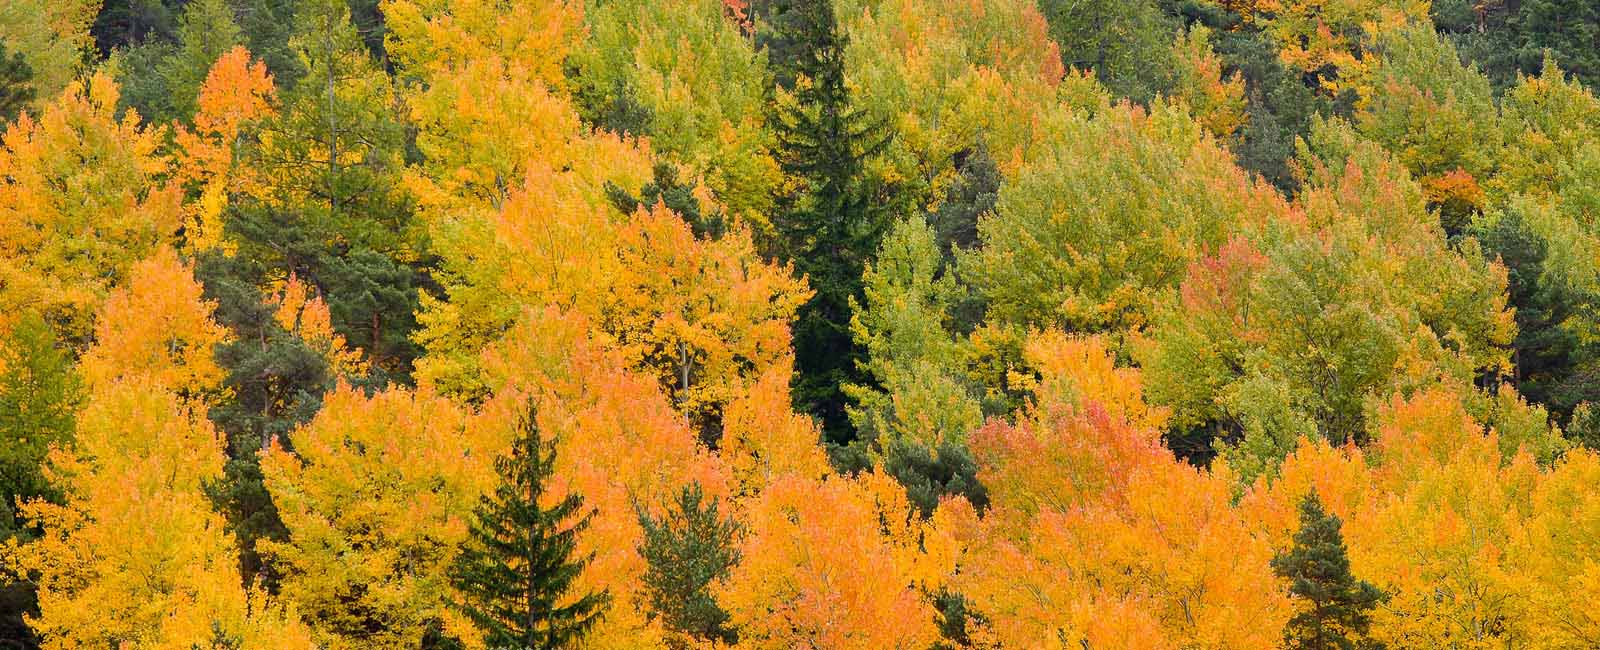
x=1090 y=247
x=84 y=196
x=374 y=498
x=835 y=563
x=515 y=571
x=53 y=39
x=1335 y=613
x=134 y=556
x=683 y=75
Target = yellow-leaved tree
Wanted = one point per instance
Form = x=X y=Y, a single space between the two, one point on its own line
x=134 y=556
x=83 y=195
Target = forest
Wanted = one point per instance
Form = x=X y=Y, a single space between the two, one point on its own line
x=817 y=324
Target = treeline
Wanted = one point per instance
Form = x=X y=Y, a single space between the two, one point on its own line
x=799 y=323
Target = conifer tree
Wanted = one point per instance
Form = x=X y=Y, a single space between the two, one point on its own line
x=1335 y=608
x=518 y=566
x=688 y=548
x=831 y=223
x=16 y=84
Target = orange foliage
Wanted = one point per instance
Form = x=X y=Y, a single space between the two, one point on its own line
x=833 y=563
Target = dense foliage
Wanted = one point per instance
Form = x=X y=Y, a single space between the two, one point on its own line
x=849 y=324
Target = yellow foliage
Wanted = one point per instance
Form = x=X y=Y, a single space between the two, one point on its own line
x=158 y=331
x=83 y=195
x=832 y=563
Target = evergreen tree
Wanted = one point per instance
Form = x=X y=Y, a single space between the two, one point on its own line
x=687 y=549
x=16 y=84
x=832 y=221
x=276 y=381
x=516 y=571
x=666 y=189
x=336 y=215
x=1336 y=607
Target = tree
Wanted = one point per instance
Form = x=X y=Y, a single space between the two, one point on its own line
x=373 y=493
x=83 y=195
x=331 y=160
x=39 y=395
x=1125 y=43
x=16 y=84
x=39 y=392
x=134 y=556
x=835 y=563
x=516 y=570
x=688 y=548
x=1335 y=607
x=831 y=224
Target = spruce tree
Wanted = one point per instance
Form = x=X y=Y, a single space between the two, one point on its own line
x=516 y=571
x=16 y=84
x=832 y=221
x=1336 y=611
x=686 y=549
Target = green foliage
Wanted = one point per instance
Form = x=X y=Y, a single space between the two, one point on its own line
x=515 y=573
x=39 y=393
x=161 y=76
x=16 y=87
x=832 y=221
x=1126 y=43
x=276 y=382
x=1437 y=117
x=930 y=475
x=688 y=548
x=126 y=23
x=1335 y=608
x=707 y=222
x=1091 y=231
x=333 y=212
x=916 y=416
x=1507 y=39
x=205 y=32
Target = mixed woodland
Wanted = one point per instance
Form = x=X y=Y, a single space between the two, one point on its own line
x=827 y=324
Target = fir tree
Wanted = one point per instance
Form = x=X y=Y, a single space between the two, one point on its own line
x=16 y=84
x=516 y=571
x=1336 y=607
x=831 y=223
x=688 y=548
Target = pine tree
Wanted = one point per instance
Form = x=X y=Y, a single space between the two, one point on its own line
x=831 y=223
x=1335 y=614
x=687 y=549
x=517 y=568
x=16 y=84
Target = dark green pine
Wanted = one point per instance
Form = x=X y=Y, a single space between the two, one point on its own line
x=832 y=221
x=686 y=549
x=515 y=573
x=1337 y=613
